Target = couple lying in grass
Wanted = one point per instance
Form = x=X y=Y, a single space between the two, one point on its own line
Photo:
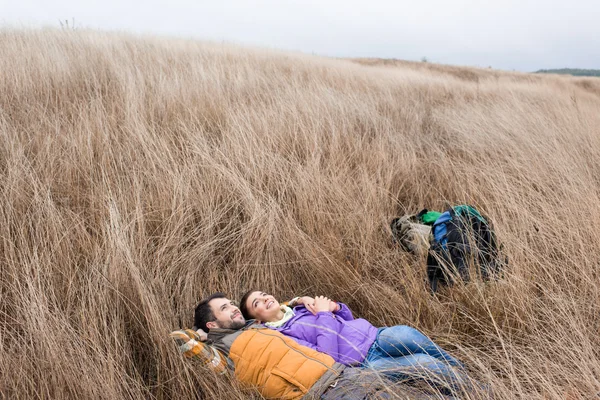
x=307 y=351
x=330 y=328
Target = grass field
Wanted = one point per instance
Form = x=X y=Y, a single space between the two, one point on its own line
x=138 y=175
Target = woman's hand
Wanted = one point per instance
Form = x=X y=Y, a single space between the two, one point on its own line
x=333 y=306
x=322 y=303
x=309 y=303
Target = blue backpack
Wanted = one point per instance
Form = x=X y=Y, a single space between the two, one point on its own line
x=440 y=225
x=459 y=236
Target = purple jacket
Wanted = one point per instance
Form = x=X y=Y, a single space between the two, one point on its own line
x=338 y=334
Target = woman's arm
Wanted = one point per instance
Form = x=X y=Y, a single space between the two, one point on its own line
x=325 y=327
x=339 y=309
x=343 y=312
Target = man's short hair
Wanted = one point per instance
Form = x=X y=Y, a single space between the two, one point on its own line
x=204 y=313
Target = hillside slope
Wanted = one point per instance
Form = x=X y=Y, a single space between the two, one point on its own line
x=138 y=175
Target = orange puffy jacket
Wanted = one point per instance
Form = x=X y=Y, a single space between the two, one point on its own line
x=278 y=367
x=264 y=359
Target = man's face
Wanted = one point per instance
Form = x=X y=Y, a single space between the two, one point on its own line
x=227 y=315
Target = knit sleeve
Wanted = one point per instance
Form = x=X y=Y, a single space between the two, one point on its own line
x=190 y=346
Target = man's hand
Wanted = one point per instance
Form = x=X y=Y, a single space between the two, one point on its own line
x=305 y=300
x=203 y=336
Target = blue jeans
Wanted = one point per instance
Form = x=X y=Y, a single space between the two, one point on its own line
x=403 y=353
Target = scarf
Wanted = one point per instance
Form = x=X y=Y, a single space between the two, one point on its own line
x=288 y=314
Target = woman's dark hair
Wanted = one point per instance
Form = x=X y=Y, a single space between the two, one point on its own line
x=203 y=313
x=244 y=307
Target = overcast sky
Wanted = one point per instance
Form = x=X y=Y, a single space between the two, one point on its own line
x=524 y=35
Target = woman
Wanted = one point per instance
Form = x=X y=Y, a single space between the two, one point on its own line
x=330 y=327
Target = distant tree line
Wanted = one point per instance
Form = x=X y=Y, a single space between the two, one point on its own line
x=570 y=71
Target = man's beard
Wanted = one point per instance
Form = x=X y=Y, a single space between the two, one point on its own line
x=233 y=325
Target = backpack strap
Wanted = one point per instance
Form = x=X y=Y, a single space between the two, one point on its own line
x=465 y=209
x=439 y=229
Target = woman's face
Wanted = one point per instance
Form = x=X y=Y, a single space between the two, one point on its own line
x=262 y=306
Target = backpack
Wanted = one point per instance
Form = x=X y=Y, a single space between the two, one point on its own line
x=459 y=235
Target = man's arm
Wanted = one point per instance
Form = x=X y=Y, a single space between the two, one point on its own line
x=299 y=301
x=191 y=346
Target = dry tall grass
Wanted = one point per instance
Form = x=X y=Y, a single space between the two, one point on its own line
x=139 y=175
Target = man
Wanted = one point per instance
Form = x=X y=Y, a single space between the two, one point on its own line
x=278 y=366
